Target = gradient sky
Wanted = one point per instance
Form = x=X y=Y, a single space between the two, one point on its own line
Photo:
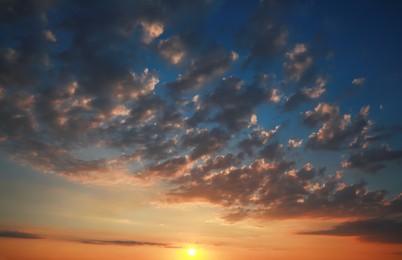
x=243 y=129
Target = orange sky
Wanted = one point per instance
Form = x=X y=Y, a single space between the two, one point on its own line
x=310 y=248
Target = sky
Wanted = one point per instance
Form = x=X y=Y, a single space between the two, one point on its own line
x=237 y=129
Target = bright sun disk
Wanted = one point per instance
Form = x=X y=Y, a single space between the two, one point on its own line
x=191 y=251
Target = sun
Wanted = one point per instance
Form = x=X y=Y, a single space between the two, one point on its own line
x=191 y=251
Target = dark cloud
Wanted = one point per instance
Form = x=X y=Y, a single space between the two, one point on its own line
x=276 y=190
x=301 y=96
x=213 y=63
x=17 y=234
x=299 y=70
x=377 y=134
x=265 y=36
x=322 y=113
x=377 y=230
x=205 y=142
x=272 y=151
x=233 y=186
x=233 y=103
x=218 y=163
x=336 y=129
x=372 y=160
x=170 y=168
x=172 y=49
x=20 y=104
x=125 y=243
x=256 y=139
x=298 y=65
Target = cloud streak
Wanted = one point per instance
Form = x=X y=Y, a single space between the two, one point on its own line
x=125 y=243
x=19 y=235
x=376 y=230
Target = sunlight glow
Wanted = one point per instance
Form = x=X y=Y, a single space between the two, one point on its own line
x=191 y=251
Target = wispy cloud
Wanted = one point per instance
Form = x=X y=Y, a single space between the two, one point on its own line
x=18 y=234
x=126 y=243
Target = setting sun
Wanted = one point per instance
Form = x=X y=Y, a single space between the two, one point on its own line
x=191 y=251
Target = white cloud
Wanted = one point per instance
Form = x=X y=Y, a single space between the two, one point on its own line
x=359 y=81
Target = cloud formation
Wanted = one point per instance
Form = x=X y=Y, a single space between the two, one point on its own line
x=271 y=188
x=201 y=117
x=377 y=230
x=265 y=36
x=233 y=103
x=207 y=67
x=336 y=129
x=372 y=160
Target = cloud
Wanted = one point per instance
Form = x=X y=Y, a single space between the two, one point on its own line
x=299 y=70
x=336 y=129
x=359 y=81
x=205 y=142
x=292 y=143
x=172 y=49
x=257 y=138
x=265 y=36
x=322 y=113
x=298 y=63
x=234 y=186
x=377 y=134
x=274 y=189
x=377 y=230
x=151 y=31
x=233 y=102
x=303 y=95
x=372 y=160
x=18 y=234
x=125 y=243
x=24 y=235
x=167 y=169
x=272 y=151
x=210 y=65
